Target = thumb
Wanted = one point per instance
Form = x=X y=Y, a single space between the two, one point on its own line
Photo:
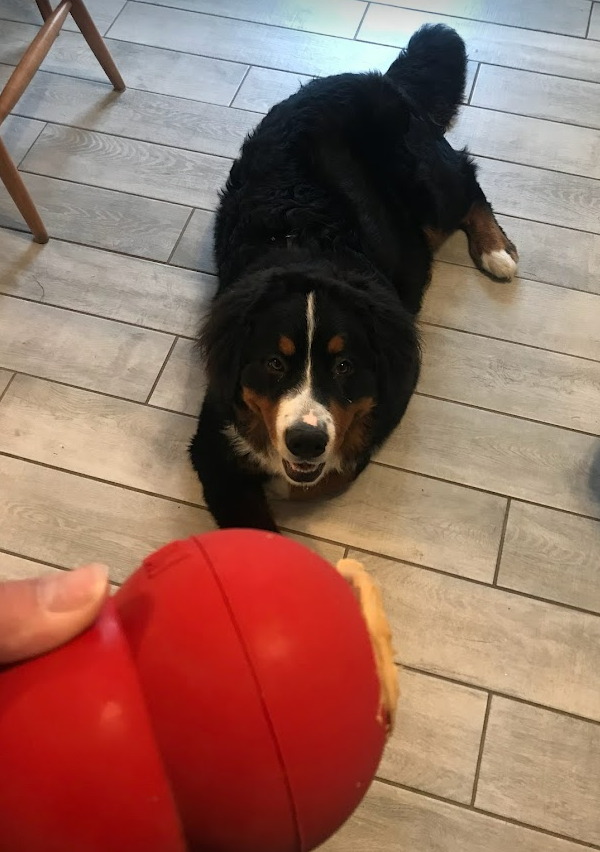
x=40 y=614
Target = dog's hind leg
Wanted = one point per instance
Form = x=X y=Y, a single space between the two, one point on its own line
x=490 y=248
x=492 y=252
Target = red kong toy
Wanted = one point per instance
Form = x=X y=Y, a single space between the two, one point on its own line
x=235 y=695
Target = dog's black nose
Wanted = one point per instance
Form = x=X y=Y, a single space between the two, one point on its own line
x=306 y=442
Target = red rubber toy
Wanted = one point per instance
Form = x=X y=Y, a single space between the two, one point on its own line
x=228 y=699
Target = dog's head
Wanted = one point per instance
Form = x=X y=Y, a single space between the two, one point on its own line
x=311 y=363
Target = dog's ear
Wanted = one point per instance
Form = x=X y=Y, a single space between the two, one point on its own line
x=223 y=337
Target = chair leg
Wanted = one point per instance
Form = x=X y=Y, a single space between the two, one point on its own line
x=82 y=18
x=45 y=8
x=32 y=59
x=20 y=195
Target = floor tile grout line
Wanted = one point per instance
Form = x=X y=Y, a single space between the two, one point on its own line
x=582 y=844
x=351 y=547
x=351 y=38
x=479 y=21
x=537 y=168
x=572 y=607
x=508 y=696
x=231 y=103
x=487 y=584
x=8 y=384
x=179 y=204
x=180 y=237
x=360 y=23
x=499 y=413
x=273 y=26
x=81 y=128
x=462 y=18
x=84 y=313
x=501 y=545
x=484 y=728
x=114 y=21
x=467 y=264
x=589 y=23
x=120 y=253
x=548 y=119
x=595 y=82
x=481 y=490
x=473 y=84
x=516 y=342
x=111 y=91
x=96 y=392
x=26 y=154
x=161 y=371
x=42 y=562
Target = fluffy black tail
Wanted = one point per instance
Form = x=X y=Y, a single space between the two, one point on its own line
x=432 y=71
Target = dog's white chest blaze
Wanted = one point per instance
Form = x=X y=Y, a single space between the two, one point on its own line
x=300 y=405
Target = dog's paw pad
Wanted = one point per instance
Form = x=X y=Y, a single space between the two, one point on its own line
x=499 y=264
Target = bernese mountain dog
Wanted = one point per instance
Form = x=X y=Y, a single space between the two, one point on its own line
x=324 y=242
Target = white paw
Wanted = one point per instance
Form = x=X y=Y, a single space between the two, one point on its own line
x=499 y=264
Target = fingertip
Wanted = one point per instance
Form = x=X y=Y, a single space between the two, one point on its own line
x=70 y=591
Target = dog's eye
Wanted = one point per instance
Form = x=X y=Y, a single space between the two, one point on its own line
x=344 y=368
x=275 y=365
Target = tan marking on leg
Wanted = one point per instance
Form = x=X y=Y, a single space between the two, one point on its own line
x=286 y=345
x=489 y=246
x=336 y=345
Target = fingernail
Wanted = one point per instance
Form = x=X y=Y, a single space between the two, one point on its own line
x=68 y=591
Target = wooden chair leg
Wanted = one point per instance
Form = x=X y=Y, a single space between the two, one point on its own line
x=82 y=18
x=32 y=59
x=20 y=195
x=45 y=8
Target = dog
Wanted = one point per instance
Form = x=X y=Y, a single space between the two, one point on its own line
x=324 y=241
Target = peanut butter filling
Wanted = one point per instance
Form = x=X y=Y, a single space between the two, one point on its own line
x=369 y=597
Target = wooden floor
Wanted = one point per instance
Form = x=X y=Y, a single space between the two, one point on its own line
x=480 y=518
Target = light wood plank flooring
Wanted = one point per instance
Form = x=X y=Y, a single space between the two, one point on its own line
x=481 y=517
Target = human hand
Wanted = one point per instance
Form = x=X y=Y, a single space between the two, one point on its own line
x=39 y=614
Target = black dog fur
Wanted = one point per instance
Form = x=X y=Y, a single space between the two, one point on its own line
x=336 y=193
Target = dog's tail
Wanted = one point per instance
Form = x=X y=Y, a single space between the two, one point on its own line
x=432 y=72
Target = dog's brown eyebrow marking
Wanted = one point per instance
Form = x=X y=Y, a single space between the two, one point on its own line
x=286 y=345
x=335 y=345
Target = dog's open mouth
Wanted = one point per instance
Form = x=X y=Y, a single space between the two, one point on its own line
x=303 y=472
